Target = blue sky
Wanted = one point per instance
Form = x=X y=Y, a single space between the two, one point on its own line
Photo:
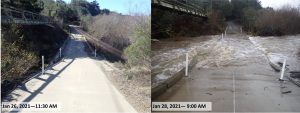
x=125 y=6
x=144 y=6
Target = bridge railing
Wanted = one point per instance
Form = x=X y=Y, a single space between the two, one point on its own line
x=12 y=15
x=184 y=4
x=181 y=5
x=98 y=43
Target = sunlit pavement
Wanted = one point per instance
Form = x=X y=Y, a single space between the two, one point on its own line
x=76 y=83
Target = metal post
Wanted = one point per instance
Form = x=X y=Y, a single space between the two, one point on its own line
x=95 y=53
x=241 y=30
x=233 y=83
x=59 y=52
x=282 y=70
x=43 y=70
x=23 y=16
x=186 y=63
x=222 y=36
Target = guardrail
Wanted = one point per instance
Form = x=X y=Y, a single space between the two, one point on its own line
x=18 y=16
x=101 y=44
x=181 y=5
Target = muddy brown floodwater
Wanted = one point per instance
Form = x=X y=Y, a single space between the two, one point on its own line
x=236 y=76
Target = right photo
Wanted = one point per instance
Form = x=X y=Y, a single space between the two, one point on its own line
x=225 y=56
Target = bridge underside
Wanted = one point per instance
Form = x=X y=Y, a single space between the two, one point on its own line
x=179 y=7
x=177 y=11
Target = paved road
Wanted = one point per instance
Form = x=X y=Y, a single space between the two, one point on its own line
x=241 y=80
x=76 y=83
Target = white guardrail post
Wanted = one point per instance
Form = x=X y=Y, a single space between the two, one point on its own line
x=283 y=69
x=43 y=70
x=186 y=63
x=95 y=53
x=222 y=37
x=241 y=30
x=59 y=52
x=225 y=31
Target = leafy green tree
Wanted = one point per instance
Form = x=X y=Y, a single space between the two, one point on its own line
x=94 y=8
x=105 y=11
x=49 y=8
x=29 y=5
x=248 y=18
x=239 y=5
x=224 y=7
x=139 y=51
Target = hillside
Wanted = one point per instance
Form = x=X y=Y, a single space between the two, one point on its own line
x=131 y=35
x=22 y=48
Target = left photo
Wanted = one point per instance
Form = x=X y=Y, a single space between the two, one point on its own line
x=79 y=56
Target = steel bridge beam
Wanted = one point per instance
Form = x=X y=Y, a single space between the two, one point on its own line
x=11 y=15
x=181 y=6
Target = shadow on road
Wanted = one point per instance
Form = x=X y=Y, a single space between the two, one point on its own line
x=47 y=81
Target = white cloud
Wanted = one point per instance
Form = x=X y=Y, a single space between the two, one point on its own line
x=278 y=3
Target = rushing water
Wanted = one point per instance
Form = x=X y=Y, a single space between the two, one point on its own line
x=168 y=56
x=240 y=58
x=279 y=48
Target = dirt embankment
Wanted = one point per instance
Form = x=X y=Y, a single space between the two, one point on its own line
x=113 y=29
x=22 y=48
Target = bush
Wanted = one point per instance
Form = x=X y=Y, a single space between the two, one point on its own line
x=15 y=62
x=216 y=23
x=170 y=24
x=162 y=23
x=85 y=22
x=284 y=21
x=248 y=19
x=113 y=29
x=139 y=51
x=21 y=50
